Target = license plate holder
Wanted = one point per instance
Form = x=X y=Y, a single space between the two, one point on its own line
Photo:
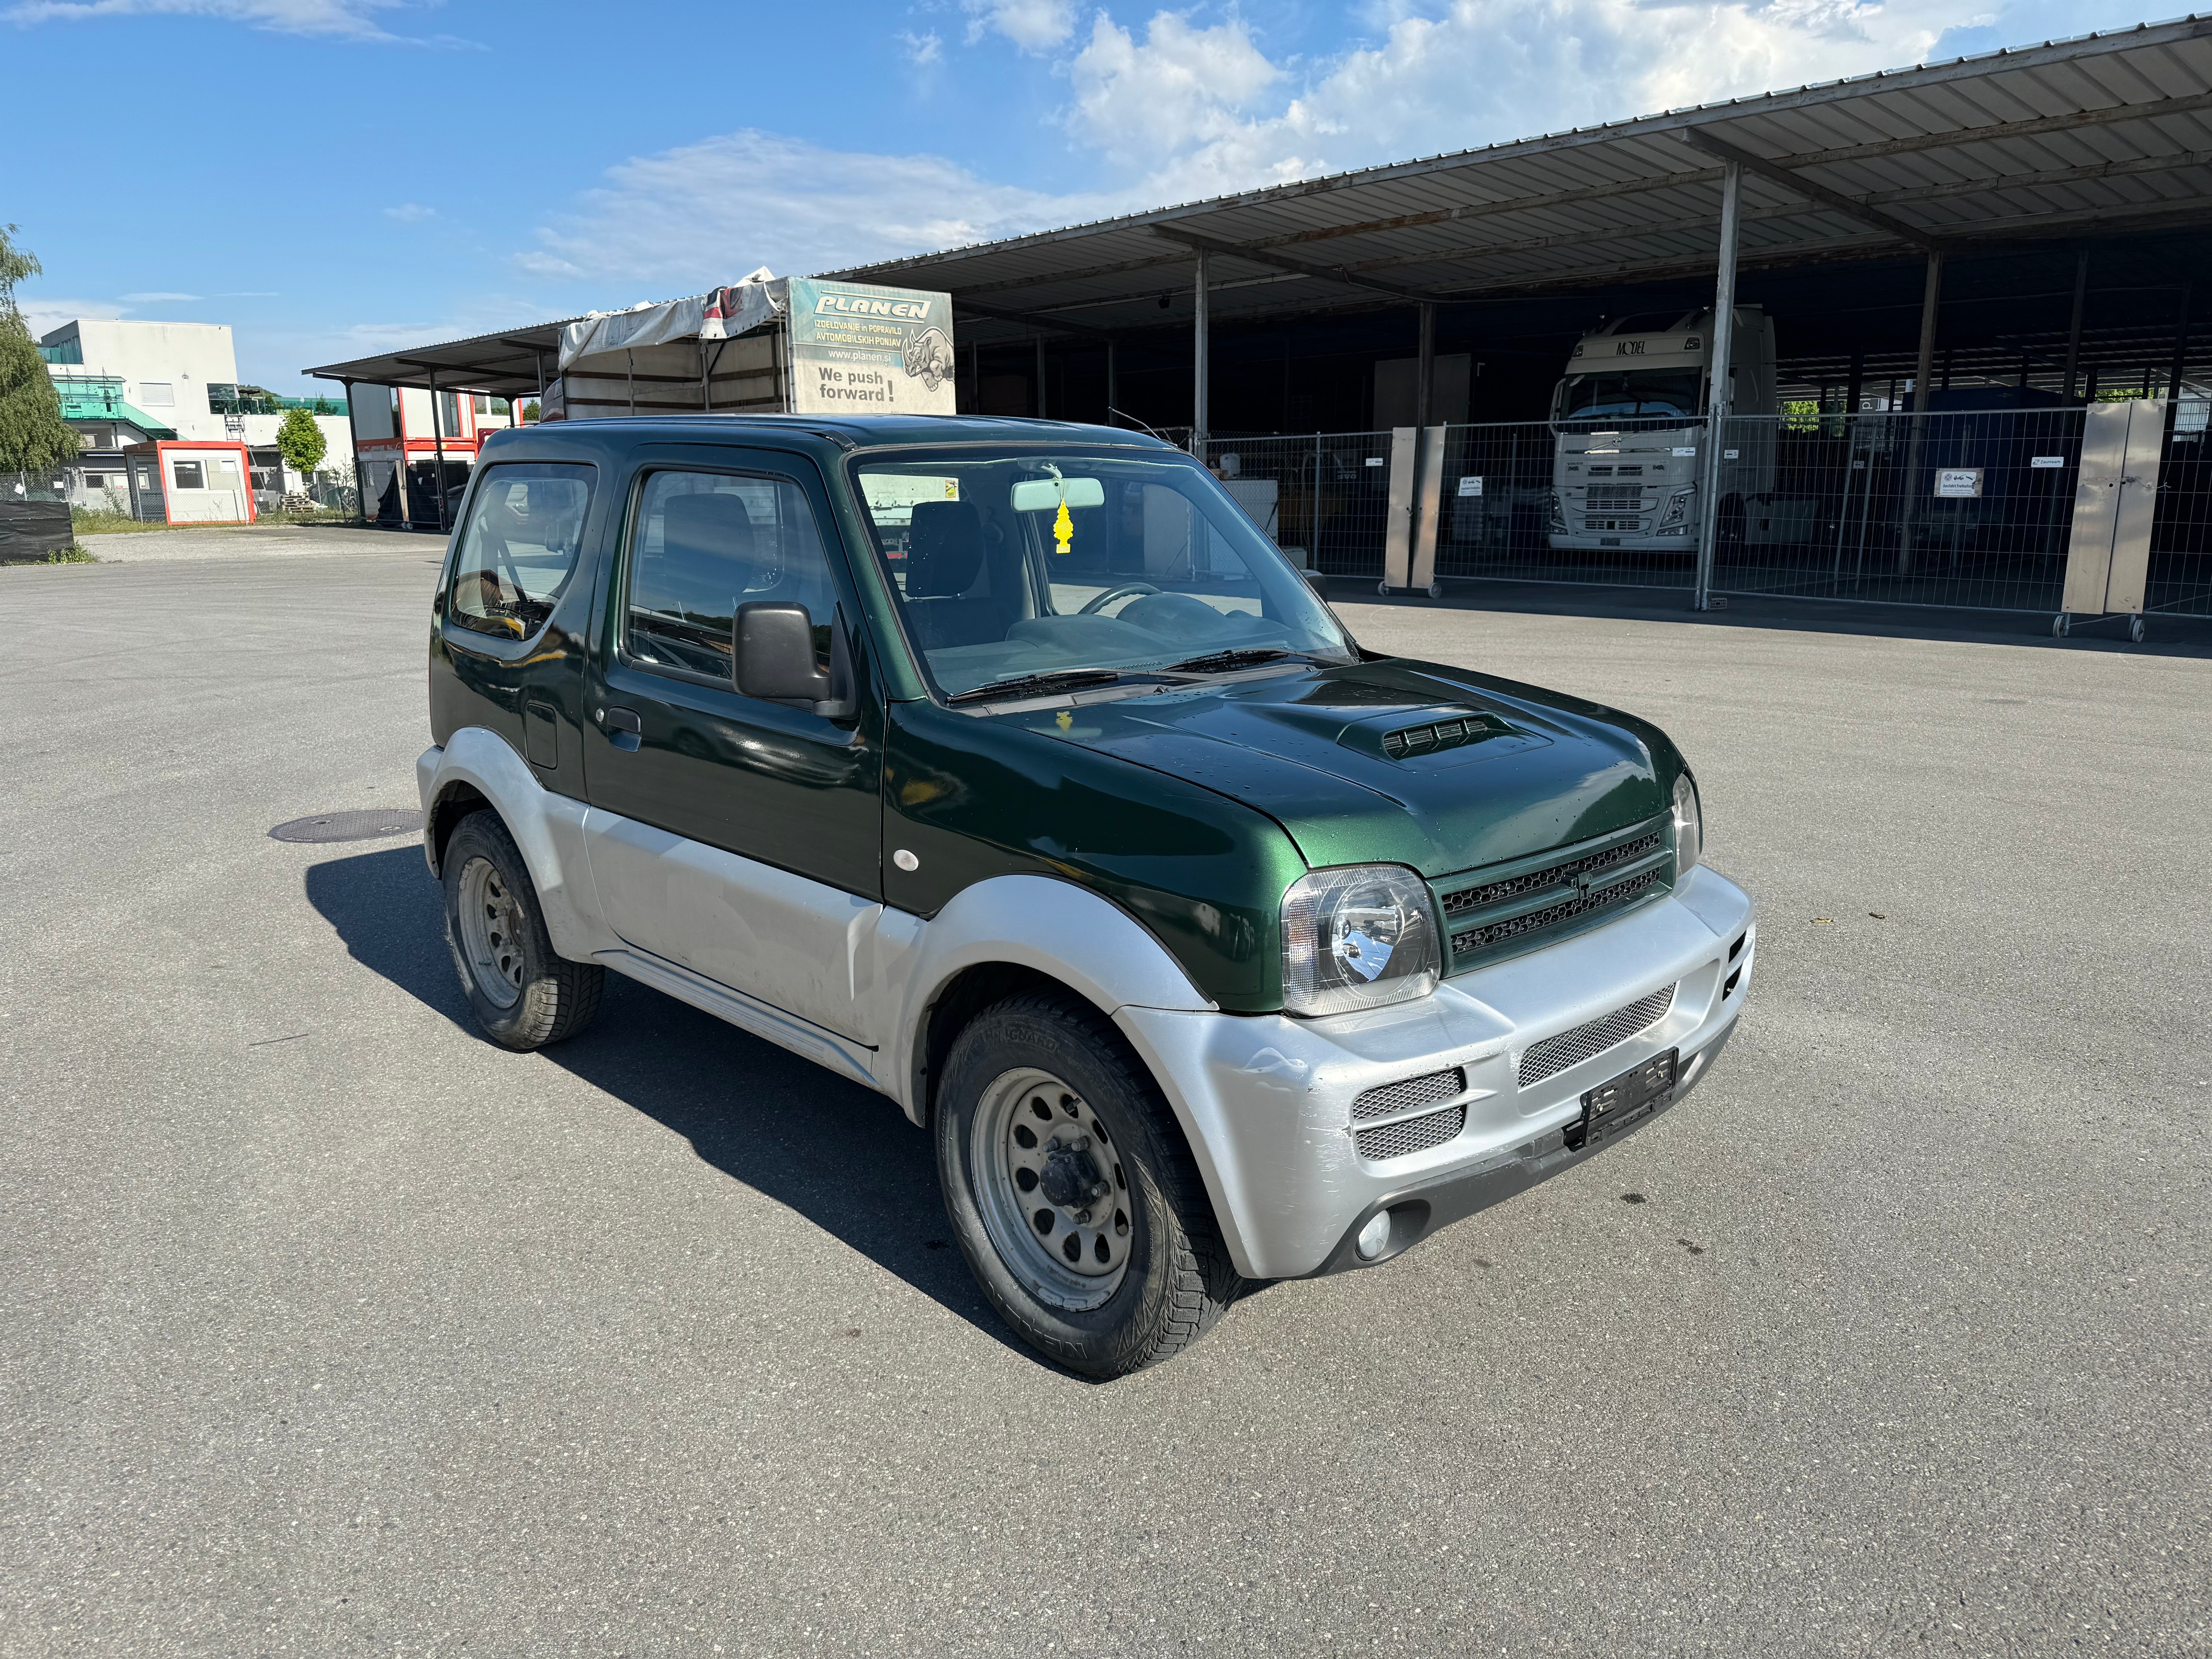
x=1614 y=1107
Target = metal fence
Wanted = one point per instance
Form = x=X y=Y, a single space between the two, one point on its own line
x=1331 y=494
x=1954 y=508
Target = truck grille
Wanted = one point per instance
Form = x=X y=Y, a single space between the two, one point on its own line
x=1525 y=902
x=1555 y=1053
x=1414 y=1134
x=1614 y=498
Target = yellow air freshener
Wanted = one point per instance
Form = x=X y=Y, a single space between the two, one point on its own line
x=1063 y=528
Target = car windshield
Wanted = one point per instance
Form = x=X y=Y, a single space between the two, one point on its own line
x=1047 y=562
x=1636 y=392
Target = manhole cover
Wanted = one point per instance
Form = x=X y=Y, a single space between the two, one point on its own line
x=372 y=825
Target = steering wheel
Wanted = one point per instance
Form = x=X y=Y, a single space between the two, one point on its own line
x=1111 y=594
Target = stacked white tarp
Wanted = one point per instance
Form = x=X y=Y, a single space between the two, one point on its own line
x=721 y=351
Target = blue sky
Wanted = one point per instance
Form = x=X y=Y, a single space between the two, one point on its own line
x=333 y=177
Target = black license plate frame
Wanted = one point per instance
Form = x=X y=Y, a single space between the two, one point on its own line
x=1620 y=1102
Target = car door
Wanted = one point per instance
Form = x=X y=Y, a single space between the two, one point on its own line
x=513 y=607
x=737 y=837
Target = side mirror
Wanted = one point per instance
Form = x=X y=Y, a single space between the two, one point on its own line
x=1319 y=583
x=775 y=653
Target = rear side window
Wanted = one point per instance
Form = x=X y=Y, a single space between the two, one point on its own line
x=519 y=547
x=708 y=543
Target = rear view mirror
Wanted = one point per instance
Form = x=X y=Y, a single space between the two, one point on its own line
x=1045 y=494
x=774 y=655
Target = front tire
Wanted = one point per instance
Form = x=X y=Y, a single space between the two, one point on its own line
x=523 y=994
x=1071 y=1191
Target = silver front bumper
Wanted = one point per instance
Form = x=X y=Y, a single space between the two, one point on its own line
x=1267 y=1099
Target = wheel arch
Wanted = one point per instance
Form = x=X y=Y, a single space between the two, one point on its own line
x=477 y=769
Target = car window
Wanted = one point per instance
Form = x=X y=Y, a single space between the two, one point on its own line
x=707 y=543
x=518 y=550
x=1020 y=563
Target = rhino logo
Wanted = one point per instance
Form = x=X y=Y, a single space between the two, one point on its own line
x=929 y=355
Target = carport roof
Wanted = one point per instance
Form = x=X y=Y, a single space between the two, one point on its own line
x=2100 y=134
x=513 y=364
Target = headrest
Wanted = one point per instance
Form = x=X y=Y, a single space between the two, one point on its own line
x=944 y=550
x=715 y=525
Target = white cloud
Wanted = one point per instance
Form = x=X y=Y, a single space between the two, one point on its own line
x=1181 y=88
x=923 y=48
x=410 y=213
x=156 y=298
x=1033 y=25
x=709 y=212
x=351 y=19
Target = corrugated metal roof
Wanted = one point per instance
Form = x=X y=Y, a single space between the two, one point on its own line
x=2100 y=134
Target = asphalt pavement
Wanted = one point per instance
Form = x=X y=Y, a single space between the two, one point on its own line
x=329 y=1329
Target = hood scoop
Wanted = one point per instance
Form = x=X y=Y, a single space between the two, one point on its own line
x=1433 y=738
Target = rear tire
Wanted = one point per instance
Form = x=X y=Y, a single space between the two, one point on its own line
x=1068 y=1185
x=523 y=994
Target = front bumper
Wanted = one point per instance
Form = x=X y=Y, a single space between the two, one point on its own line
x=1268 y=1100
x=1626 y=541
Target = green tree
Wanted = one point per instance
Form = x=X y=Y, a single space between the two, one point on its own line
x=33 y=437
x=301 y=443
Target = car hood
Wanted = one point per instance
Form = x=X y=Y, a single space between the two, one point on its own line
x=1393 y=762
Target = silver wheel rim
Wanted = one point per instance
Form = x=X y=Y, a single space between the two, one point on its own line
x=1039 y=1155
x=491 y=932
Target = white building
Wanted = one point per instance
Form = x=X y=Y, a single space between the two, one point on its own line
x=127 y=383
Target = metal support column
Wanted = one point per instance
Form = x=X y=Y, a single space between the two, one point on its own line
x=1113 y=388
x=1425 y=378
x=1199 y=388
x=2074 y=328
x=2180 y=343
x=1716 y=405
x=1040 y=377
x=1924 y=388
x=360 y=480
x=438 y=445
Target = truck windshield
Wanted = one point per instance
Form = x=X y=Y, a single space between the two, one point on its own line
x=1008 y=564
x=1634 y=391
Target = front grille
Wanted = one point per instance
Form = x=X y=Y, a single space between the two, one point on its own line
x=1404 y=1097
x=1478 y=938
x=1613 y=524
x=1614 y=498
x=1415 y=1135
x=1555 y=1053
x=1496 y=892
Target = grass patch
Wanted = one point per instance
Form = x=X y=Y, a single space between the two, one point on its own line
x=69 y=555
x=106 y=521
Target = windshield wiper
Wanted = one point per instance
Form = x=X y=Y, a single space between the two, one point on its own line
x=1220 y=662
x=1037 y=685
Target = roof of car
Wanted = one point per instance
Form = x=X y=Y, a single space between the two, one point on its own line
x=872 y=431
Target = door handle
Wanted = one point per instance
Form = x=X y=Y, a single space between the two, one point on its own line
x=622 y=728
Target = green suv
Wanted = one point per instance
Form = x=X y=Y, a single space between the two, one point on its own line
x=1006 y=769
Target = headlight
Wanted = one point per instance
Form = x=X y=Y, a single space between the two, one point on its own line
x=1357 y=938
x=1689 y=827
x=1559 y=514
x=1677 y=515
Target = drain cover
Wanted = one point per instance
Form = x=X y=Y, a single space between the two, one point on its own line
x=372 y=825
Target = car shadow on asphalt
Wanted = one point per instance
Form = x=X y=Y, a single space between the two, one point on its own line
x=842 y=1156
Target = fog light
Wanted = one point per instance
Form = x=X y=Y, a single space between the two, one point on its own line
x=1374 y=1237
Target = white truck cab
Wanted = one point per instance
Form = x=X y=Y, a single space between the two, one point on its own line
x=1629 y=423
